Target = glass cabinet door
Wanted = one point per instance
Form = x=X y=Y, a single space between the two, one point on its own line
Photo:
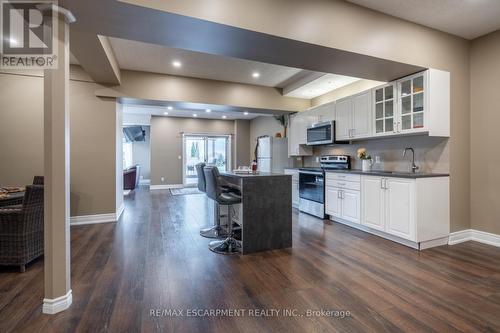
x=412 y=103
x=385 y=110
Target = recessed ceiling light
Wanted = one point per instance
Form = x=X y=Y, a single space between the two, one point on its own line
x=165 y=113
x=245 y=113
x=224 y=117
x=176 y=63
x=195 y=115
x=208 y=110
x=169 y=107
x=256 y=75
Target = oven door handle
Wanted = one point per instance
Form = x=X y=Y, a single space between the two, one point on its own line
x=311 y=173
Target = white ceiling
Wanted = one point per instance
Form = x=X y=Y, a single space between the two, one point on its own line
x=153 y=58
x=321 y=85
x=465 y=18
x=187 y=112
x=133 y=55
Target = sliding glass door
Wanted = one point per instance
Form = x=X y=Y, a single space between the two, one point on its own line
x=209 y=149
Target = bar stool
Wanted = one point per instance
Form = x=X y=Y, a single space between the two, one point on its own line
x=215 y=192
x=215 y=231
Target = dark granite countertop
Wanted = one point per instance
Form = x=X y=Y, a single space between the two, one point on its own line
x=396 y=174
x=250 y=175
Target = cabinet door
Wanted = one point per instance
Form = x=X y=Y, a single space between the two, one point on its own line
x=373 y=202
x=400 y=208
x=351 y=205
x=325 y=112
x=385 y=110
x=333 y=200
x=362 y=115
x=304 y=121
x=343 y=121
x=412 y=101
x=295 y=194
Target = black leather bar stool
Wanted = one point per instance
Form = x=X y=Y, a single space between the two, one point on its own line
x=216 y=231
x=215 y=192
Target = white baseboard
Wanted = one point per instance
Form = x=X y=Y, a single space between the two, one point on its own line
x=474 y=235
x=98 y=218
x=144 y=181
x=53 y=306
x=165 y=187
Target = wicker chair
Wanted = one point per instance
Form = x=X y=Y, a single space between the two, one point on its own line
x=38 y=180
x=21 y=230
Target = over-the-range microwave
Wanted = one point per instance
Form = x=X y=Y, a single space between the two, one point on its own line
x=321 y=134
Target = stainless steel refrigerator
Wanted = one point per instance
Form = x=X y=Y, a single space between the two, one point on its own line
x=272 y=154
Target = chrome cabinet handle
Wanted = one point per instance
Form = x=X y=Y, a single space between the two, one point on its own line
x=385 y=184
x=382 y=183
x=338 y=195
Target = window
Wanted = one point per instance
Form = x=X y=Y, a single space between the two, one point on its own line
x=127 y=155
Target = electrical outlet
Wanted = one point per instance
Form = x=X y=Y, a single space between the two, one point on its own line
x=317 y=159
x=179 y=157
x=162 y=179
x=378 y=159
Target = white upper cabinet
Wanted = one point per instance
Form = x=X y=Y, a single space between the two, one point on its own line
x=384 y=99
x=343 y=119
x=325 y=112
x=354 y=117
x=362 y=115
x=419 y=103
x=297 y=135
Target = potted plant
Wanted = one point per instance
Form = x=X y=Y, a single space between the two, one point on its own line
x=283 y=120
x=366 y=159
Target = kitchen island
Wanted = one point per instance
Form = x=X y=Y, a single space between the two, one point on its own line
x=265 y=214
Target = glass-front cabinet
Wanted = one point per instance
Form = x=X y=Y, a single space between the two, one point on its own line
x=412 y=96
x=385 y=109
x=400 y=107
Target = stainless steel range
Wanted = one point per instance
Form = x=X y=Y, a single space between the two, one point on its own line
x=312 y=184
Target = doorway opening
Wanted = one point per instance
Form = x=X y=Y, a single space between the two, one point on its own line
x=209 y=149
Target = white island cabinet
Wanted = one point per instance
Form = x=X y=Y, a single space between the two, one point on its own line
x=412 y=211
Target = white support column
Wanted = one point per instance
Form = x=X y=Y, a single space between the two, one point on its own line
x=57 y=267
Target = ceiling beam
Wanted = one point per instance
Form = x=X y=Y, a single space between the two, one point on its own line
x=95 y=55
x=122 y=20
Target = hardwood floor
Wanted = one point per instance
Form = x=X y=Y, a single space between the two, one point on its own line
x=153 y=258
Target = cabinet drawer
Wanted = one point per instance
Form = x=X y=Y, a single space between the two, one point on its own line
x=343 y=177
x=343 y=184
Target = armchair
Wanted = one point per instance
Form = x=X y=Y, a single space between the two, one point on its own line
x=21 y=229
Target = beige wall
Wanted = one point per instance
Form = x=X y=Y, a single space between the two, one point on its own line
x=92 y=139
x=166 y=144
x=341 y=25
x=260 y=126
x=485 y=134
x=242 y=142
x=21 y=128
x=162 y=87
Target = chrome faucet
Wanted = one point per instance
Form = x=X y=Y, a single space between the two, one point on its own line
x=414 y=167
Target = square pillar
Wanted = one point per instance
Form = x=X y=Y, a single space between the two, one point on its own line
x=57 y=267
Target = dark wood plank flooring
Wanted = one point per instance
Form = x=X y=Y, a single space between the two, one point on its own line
x=153 y=258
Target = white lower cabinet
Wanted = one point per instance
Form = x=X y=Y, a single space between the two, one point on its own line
x=373 y=202
x=411 y=211
x=400 y=207
x=389 y=205
x=343 y=198
x=333 y=201
x=351 y=205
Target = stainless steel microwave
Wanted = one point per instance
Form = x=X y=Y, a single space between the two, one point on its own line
x=321 y=133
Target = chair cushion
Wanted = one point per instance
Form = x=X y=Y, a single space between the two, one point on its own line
x=229 y=198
